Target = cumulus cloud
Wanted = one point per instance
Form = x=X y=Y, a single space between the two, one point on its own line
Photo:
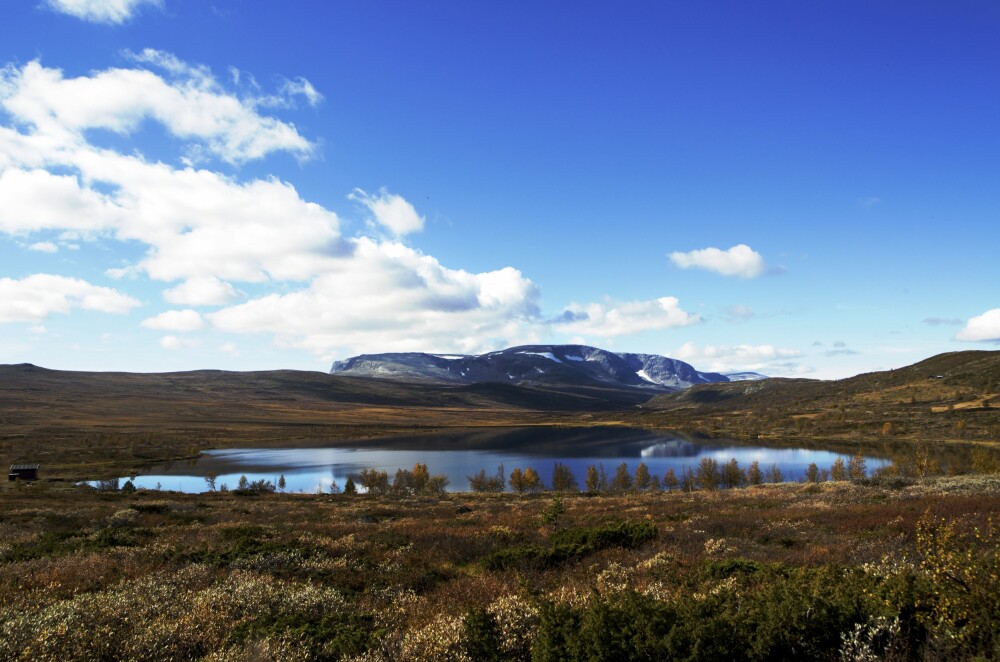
x=201 y=291
x=35 y=297
x=730 y=358
x=740 y=260
x=389 y=297
x=175 y=320
x=205 y=232
x=114 y=12
x=611 y=319
x=390 y=211
x=33 y=200
x=189 y=102
x=197 y=223
x=176 y=342
x=982 y=328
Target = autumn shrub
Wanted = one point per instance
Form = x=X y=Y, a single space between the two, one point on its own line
x=481 y=637
x=754 y=613
x=625 y=533
x=962 y=564
x=572 y=544
x=626 y=626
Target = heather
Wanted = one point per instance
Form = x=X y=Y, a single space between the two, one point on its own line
x=864 y=569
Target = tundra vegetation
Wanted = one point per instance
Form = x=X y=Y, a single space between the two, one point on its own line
x=720 y=565
x=716 y=561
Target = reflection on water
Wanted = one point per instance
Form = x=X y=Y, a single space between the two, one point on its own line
x=672 y=448
x=461 y=454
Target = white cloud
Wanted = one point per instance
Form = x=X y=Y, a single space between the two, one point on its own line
x=43 y=247
x=389 y=297
x=740 y=260
x=982 y=328
x=730 y=358
x=301 y=87
x=175 y=320
x=205 y=232
x=201 y=291
x=200 y=226
x=176 y=342
x=191 y=105
x=35 y=297
x=611 y=319
x=391 y=211
x=112 y=12
x=32 y=200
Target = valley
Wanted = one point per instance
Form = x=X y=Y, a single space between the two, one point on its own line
x=87 y=425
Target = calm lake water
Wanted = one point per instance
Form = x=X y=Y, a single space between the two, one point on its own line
x=461 y=454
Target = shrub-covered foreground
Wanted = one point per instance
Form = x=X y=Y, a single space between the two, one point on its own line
x=830 y=571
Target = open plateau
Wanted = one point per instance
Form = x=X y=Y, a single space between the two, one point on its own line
x=890 y=549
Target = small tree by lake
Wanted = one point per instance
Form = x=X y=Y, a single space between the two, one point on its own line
x=642 y=481
x=688 y=480
x=622 y=482
x=754 y=475
x=374 y=481
x=670 y=480
x=707 y=474
x=857 y=468
x=838 y=471
x=774 y=474
x=563 y=479
x=517 y=480
x=732 y=475
x=481 y=482
x=527 y=480
x=812 y=473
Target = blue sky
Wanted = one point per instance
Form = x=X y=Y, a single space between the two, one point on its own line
x=803 y=189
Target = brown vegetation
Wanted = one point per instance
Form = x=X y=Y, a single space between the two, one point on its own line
x=945 y=398
x=151 y=575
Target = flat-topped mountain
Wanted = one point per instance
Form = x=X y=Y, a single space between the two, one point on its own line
x=533 y=365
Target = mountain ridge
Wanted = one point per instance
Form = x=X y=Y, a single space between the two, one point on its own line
x=527 y=365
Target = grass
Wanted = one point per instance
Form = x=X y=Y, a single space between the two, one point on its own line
x=779 y=569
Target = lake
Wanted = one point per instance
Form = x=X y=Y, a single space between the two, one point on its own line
x=459 y=454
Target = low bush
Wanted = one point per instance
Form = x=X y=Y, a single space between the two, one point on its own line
x=572 y=544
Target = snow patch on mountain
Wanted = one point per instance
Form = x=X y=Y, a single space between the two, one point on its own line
x=642 y=374
x=549 y=355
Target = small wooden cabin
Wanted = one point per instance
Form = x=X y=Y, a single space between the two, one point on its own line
x=23 y=472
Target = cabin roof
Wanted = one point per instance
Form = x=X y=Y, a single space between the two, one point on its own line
x=23 y=467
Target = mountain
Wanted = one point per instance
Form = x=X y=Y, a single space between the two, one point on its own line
x=533 y=365
x=745 y=376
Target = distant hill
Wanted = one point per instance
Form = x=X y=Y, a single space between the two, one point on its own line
x=534 y=365
x=948 y=396
x=70 y=421
x=745 y=376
